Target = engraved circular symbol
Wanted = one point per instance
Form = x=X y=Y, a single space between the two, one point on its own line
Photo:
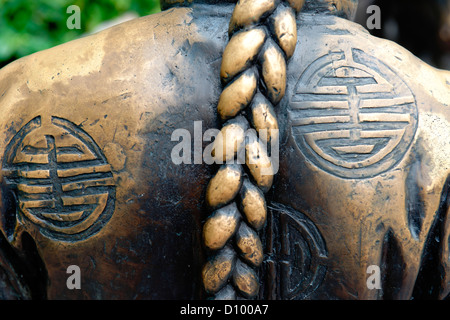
x=351 y=115
x=301 y=255
x=63 y=183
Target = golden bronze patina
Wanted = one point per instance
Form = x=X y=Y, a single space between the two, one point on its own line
x=362 y=179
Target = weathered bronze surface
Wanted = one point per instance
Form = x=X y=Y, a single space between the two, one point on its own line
x=364 y=162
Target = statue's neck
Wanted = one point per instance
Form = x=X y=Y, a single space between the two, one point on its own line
x=342 y=8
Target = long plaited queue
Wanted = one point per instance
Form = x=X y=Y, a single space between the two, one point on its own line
x=263 y=36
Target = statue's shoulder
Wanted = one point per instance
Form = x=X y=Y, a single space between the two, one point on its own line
x=150 y=37
x=161 y=60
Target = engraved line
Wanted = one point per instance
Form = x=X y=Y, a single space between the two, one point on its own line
x=384 y=117
x=37 y=204
x=74 y=150
x=86 y=184
x=319 y=97
x=302 y=105
x=345 y=71
x=89 y=199
x=374 y=88
x=34 y=174
x=83 y=170
x=30 y=150
x=328 y=135
x=73 y=216
x=362 y=127
x=324 y=127
x=353 y=105
x=382 y=133
x=383 y=126
x=332 y=81
x=34 y=189
x=33 y=159
x=362 y=149
x=330 y=90
x=320 y=120
x=72 y=157
x=380 y=103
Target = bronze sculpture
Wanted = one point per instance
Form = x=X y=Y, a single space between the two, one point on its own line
x=87 y=176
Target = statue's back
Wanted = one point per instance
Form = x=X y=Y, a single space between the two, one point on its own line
x=89 y=178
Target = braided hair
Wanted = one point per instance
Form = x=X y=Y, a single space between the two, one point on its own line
x=263 y=36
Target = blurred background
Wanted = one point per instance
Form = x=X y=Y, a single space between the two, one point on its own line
x=27 y=26
x=421 y=26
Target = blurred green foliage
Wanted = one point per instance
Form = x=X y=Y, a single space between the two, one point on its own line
x=27 y=26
